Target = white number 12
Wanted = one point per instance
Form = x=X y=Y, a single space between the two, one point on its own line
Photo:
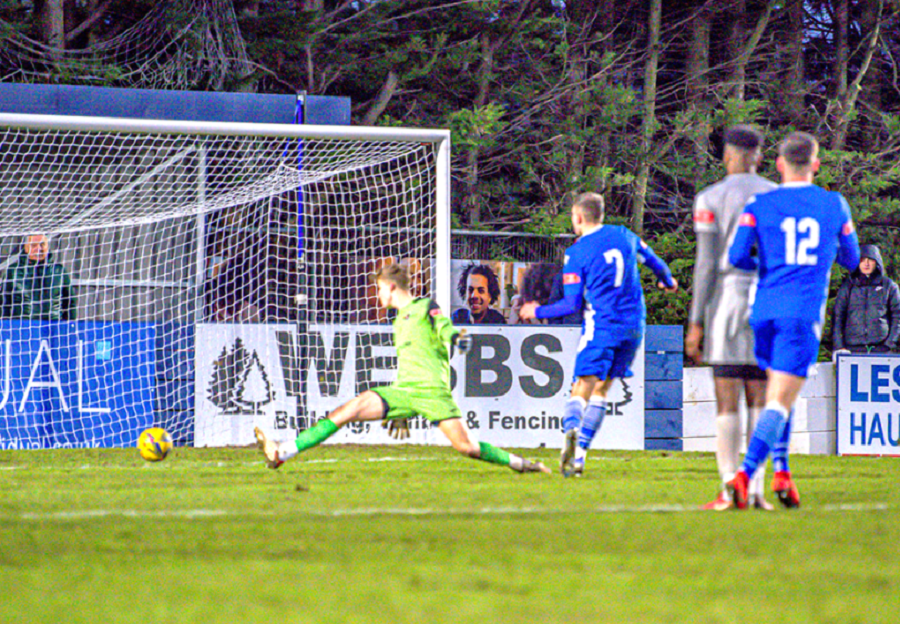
x=798 y=251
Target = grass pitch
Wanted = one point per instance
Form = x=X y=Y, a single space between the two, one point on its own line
x=416 y=534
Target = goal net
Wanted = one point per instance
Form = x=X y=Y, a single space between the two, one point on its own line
x=203 y=278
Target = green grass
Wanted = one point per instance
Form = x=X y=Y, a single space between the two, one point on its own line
x=212 y=536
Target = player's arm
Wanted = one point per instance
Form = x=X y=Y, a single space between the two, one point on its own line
x=705 y=274
x=573 y=293
x=739 y=253
x=648 y=257
x=444 y=329
x=848 y=242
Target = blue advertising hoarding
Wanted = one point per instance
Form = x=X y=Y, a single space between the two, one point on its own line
x=75 y=384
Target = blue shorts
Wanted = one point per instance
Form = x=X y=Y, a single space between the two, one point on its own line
x=786 y=345
x=608 y=358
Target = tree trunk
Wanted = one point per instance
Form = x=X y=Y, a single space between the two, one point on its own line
x=744 y=47
x=736 y=41
x=485 y=71
x=841 y=52
x=382 y=100
x=698 y=86
x=607 y=21
x=871 y=87
x=96 y=11
x=870 y=27
x=648 y=127
x=52 y=22
x=794 y=89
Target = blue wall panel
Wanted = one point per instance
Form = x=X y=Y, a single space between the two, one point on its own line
x=169 y=105
x=664 y=394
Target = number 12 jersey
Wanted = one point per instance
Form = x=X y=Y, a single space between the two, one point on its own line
x=799 y=229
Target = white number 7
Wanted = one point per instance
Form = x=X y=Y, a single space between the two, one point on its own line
x=615 y=256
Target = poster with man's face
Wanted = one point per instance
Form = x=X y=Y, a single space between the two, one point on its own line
x=485 y=292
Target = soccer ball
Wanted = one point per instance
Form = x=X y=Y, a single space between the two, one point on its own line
x=154 y=444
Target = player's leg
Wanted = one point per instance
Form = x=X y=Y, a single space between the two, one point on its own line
x=728 y=430
x=793 y=347
x=607 y=364
x=755 y=393
x=366 y=406
x=577 y=404
x=458 y=434
x=594 y=414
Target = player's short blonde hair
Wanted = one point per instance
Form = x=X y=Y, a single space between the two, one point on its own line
x=397 y=274
x=799 y=149
x=591 y=205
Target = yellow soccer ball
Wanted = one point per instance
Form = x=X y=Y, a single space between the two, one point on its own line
x=154 y=444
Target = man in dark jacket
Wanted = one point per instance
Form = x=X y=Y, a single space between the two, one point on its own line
x=867 y=309
x=35 y=288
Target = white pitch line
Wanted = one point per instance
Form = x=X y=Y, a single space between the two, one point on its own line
x=192 y=514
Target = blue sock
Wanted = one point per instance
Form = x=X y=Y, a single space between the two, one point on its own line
x=770 y=425
x=572 y=415
x=590 y=424
x=780 y=450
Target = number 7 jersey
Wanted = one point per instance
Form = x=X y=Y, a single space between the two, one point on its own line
x=799 y=229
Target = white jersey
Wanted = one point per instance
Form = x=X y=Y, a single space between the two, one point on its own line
x=723 y=294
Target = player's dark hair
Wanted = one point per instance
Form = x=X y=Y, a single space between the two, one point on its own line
x=745 y=137
x=537 y=283
x=397 y=274
x=799 y=149
x=485 y=271
x=591 y=206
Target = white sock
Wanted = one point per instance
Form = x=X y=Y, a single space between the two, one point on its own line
x=286 y=450
x=580 y=453
x=728 y=445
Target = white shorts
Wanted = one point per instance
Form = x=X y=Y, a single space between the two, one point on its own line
x=728 y=337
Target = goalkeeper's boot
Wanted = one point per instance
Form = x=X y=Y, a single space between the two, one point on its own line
x=531 y=466
x=268 y=447
x=737 y=489
x=785 y=490
x=721 y=503
x=567 y=456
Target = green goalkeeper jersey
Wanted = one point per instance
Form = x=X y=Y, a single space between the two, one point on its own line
x=422 y=336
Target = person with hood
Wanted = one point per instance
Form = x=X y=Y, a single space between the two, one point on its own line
x=867 y=309
x=36 y=288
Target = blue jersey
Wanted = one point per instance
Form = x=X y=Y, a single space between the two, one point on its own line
x=799 y=228
x=601 y=276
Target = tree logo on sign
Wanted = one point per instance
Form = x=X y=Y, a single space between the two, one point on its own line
x=240 y=383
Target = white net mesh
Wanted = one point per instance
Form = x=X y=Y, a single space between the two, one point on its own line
x=179 y=44
x=194 y=280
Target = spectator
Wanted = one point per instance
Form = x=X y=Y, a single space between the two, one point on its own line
x=867 y=309
x=480 y=288
x=557 y=293
x=542 y=283
x=35 y=288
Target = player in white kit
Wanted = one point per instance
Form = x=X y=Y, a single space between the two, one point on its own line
x=720 y=308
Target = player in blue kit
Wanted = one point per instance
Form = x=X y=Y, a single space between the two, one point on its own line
x=601 y=277
x=799 y=229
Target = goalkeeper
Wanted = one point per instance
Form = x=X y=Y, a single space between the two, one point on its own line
x=421 y=335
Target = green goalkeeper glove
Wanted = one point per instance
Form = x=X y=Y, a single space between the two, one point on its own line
x=397 y=428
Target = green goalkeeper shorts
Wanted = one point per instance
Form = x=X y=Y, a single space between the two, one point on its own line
x=407 y=401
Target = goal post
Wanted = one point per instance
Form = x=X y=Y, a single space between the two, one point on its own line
x=168 y=289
